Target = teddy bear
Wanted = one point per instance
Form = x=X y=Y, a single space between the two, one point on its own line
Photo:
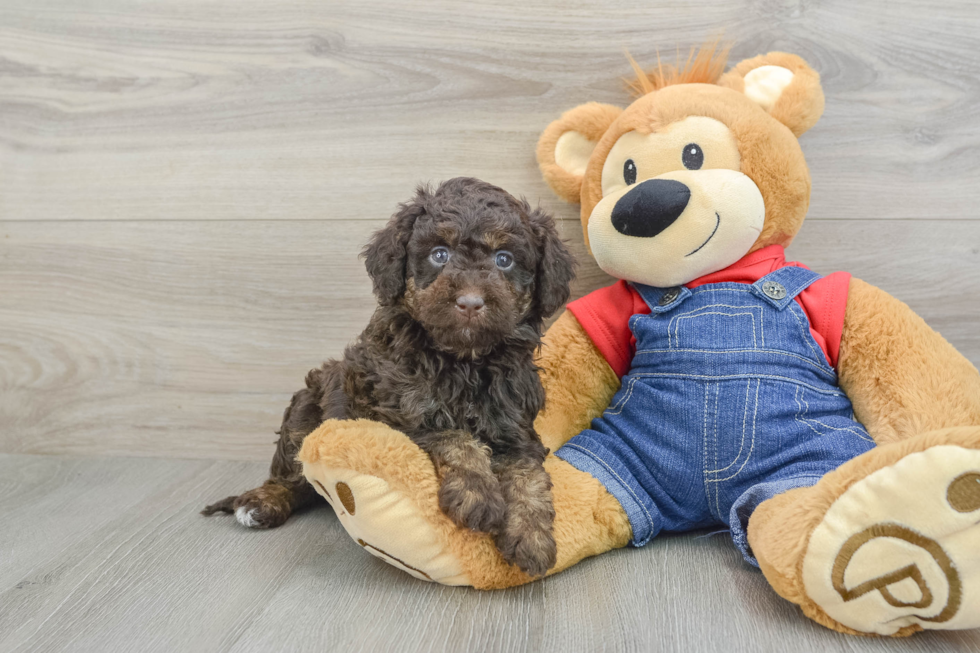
x=816 y=417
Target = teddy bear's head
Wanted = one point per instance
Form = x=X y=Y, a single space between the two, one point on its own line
x=700 y=170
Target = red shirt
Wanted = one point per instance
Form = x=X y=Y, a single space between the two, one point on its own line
x=605 y=313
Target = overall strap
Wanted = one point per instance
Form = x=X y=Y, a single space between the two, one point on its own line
x=661 y=300
x=781 y=286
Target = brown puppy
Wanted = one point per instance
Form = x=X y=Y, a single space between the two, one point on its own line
x=464 y=278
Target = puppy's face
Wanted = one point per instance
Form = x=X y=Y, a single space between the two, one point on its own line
x=470 y=275
x=472 y=263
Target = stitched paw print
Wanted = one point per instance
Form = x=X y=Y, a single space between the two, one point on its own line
x=899 y=547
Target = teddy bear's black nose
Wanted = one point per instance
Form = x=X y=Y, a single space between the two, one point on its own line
x=650 y=208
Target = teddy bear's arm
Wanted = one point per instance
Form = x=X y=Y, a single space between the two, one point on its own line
x=902 y=377
x=578 y=382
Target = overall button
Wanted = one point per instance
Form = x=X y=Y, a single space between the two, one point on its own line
x=773 y=290
x=670 y=295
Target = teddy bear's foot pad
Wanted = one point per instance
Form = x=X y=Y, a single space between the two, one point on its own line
x=901 y=547
x=367 y=506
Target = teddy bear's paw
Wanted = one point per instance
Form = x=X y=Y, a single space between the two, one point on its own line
x=387 y=523
x=901 y=547
x=472 y=500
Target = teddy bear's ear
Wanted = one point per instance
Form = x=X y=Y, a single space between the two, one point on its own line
x=566 y=145
x=782 y=84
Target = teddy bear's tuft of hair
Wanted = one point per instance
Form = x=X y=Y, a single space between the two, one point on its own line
x=704 y=65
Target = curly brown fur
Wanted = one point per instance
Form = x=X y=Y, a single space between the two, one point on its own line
x=469 y=492
x=448 y=359
x=526 y=533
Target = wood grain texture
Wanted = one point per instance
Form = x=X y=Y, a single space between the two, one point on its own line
x=178 y=109
x=187 y=339
x=100 y=562
x=184 y=187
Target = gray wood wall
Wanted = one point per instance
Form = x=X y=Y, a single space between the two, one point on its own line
x=185 y=185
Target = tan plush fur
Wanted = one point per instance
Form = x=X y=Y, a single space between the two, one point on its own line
x=578 y=382
x=588 y=520
x=591 y=121
x=801 y=103
x=902 y=377
x=703 y=66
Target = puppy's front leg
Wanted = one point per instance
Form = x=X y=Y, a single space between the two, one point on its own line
x=527 y=538
x=469 y=493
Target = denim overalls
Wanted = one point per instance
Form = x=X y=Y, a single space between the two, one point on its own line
x=729 y=402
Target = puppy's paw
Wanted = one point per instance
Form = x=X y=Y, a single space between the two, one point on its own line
x=472 y=500
x=530 y=547
x=260 y=508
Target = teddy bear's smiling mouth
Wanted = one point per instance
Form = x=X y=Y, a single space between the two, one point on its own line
x=717 y=223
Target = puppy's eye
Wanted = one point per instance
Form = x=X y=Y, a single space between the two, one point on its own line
x=693 y=157
x=504 y=260
x=629 y=172
x=439 y=256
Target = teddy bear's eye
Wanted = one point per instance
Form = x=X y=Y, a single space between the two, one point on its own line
x=693 y=157
x=629 y=172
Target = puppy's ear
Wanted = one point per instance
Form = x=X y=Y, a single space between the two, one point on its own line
x=385 y=255
x=556 y=267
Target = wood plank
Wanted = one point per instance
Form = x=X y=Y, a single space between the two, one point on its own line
x=45 y=496
x=187 y=339
x=154 y=575
x=184 y=187
x=144 y=579
x=174 y=109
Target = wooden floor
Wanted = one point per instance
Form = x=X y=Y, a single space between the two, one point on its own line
x=184 y=188
x=109 y=554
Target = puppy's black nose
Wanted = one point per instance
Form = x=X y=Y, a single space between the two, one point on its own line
x=469 y=305
x=650 y=208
